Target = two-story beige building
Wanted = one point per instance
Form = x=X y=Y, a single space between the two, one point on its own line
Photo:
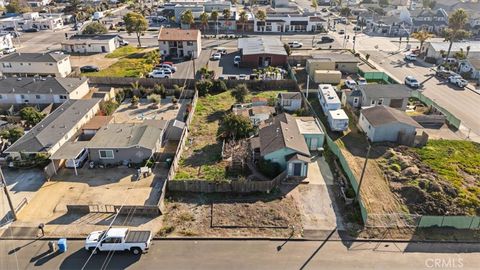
x=179 y=43
x=41 y=90
x=32 y=64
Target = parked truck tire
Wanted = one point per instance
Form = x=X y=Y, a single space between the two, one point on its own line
x=136 y=251
x=93 y=250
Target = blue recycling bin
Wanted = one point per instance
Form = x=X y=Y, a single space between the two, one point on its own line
x=62 y=245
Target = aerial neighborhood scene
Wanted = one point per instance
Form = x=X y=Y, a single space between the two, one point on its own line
x=217 y=134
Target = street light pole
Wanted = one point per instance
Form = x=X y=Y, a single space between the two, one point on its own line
x=5 y=189
x=363 y=173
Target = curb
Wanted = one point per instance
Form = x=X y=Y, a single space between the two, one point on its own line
x=359 y=240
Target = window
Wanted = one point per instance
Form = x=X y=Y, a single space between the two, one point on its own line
x=38 y=97
x=63 y=97
x=355 y=100
x=380 y=101
x=1 y=97
x=7 y=65
x=369 y=127
x=372 y=102
x=105 y=154
x=22 y=96
x=287 y=102
x=189 y=43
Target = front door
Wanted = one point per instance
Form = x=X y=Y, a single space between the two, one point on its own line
x=297 y=169
x=313 y=143
x=103 y=49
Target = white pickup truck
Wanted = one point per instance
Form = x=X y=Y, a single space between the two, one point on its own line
x=295 y=44
x=119 y=239
x=458 y=81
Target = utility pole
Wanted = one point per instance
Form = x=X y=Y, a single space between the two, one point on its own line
x=5 y=189
x=308 y=85
x=363 y=173
x=193 y=60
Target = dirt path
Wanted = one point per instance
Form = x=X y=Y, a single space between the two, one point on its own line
x=382 y=205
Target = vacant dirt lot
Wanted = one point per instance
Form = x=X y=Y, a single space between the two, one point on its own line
x=247 y=216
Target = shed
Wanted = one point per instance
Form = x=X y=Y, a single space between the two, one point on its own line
x=385 y=124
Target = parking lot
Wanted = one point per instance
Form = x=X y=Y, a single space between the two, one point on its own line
x=224 y=67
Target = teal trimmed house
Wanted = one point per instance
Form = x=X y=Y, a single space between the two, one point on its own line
x=288 y=140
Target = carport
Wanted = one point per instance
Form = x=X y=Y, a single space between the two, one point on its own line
x=69 y=151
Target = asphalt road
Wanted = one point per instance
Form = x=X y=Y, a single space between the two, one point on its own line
x=191 y=254
x=463 y=103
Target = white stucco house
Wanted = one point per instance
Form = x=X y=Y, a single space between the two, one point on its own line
x=290 y=101
x=179 y=43
x=31 y=64
x=91 y=44
x=6 y=41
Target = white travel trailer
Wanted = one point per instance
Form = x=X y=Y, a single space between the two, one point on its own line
x=337 y=120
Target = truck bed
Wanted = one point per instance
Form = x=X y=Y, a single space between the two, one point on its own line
x=137 y=236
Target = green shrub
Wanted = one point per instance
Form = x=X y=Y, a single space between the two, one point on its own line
x=218 y=86
x=395 y=167
x=269 y=168
x=203 y=87
x=108 y=107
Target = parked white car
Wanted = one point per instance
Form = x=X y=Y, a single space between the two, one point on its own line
x=295 y=44
x=411 y=57
x=9 y=50
x=78 y=161
x=351 y=84
x=411 y=82
x=458 y=81
x=160 y=73
x=216 y=56
x=362 y=81
x=119 y=239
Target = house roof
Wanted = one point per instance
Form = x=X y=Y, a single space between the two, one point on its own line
x=456 y=46
x=308 y=125
x=126 y=135
x=53 y=127
x=176 y=34
x=386 y=91
x=34 y=57
x=252 y=111
x=261 y=45
x=97 y=122
x=300 y=157
x=427 y=12
x=335 y=57
x=282 y=132
x=290 y=95
x=382 y=115
x=94 y=37
x=45 y=85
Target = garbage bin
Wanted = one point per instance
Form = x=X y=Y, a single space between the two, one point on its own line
x=168 y=161
x=62 y=245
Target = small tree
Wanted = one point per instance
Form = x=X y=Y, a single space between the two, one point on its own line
x=204 y=20
x=135 y=101
x=261 y=16
x=214 y=17
x=18 y=6
x=315 y=4
x=226 y=13
x=456 y=28
x=155 y=99
x=287 y=49
x=177 y=90
x=108 y=107
x=243 y=19
x=95 y=28
x=240 y=92
x=31 y=115
x=135 y=23
x=236 y=126
x=187 y=18
x=159 y=89
x=421 y=36
x=219 y=86
x=345 y=11
x=203 y=87
x=12 y=134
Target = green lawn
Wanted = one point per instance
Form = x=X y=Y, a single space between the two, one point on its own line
x=453 y=160
x=202 y=157
x=132 y=63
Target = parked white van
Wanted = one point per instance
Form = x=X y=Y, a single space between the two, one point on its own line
x=79 y=160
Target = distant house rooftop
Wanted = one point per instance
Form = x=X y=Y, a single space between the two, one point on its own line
x=474 y=46
x=176 y=34
x=44 y=85
x=261 y=45
x=340 y=57
x=290 y=95
x=386 y=91
x=34 y=57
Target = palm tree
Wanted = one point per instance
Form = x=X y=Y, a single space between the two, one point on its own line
x=456 y=28
x=243 y=19
x=261 y=16
x=214 y=17
x=187 y=18
x=422 y=36
x=315 y=4
x=226 y=13
x=204 y=20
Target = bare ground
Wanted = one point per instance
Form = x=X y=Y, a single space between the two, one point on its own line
x=246 y=216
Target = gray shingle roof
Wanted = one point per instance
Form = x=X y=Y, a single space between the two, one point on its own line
x=40 y=85
x=127 y=135
x=381 y=115
x=282 y=133
x=261 y=45
x=53 y=127
x=386 y=91
x=34 y=57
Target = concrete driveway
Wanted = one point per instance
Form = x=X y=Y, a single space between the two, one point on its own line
x=314 y=201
